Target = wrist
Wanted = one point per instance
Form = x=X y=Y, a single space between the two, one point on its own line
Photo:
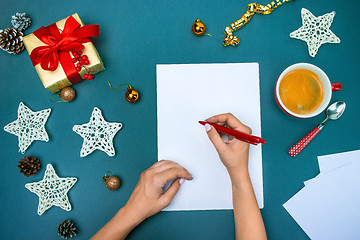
x=239 y=171
x=128 y=217
x=238 y=166
x=119 y=226
x=239 y=175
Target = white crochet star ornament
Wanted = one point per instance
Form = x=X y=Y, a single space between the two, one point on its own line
x=315 y=31
x=29 y=126
x=97 y=134
x=52 y=190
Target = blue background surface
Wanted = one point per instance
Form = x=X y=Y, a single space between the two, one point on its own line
x=135 y=36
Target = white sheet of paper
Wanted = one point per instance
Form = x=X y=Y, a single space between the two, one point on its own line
x=332 y=161
x=328 y=207
x=188 y=93
x=335 y=167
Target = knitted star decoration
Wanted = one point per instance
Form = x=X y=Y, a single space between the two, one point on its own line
x=52 y=190
x=97 y=134
x=315 y=31
x=29 y=126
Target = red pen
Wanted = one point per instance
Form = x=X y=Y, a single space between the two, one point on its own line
x=237 y=134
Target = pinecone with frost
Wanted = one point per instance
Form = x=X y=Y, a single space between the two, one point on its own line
x=67 y=229
x=20 y=21
x=11 y=40
x=29 y=166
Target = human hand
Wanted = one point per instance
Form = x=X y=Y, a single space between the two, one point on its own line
x=234 y=153
x=148 y=197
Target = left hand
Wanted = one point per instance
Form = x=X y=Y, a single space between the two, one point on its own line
x=148 y=197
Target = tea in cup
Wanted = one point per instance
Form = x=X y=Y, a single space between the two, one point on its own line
x=303 y=90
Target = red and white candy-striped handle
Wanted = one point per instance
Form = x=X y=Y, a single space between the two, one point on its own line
x=296 y=149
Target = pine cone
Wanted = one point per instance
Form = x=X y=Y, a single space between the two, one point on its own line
x=29 y=166
x=20 y=21
x=11 y=40
x=67 y=229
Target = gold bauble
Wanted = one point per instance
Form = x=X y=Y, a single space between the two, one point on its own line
x=131 y=95
x=67 y=94
x=198 y=28
x=112 y=182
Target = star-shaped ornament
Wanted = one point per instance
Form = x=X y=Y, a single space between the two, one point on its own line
x=97 y=134
x=29 y=126
x=52 y=190
x=315 y=31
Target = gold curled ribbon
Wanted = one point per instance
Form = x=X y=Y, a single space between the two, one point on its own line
x=106 y=177
x=253 y=8
x=117 y=88
x=55 y=101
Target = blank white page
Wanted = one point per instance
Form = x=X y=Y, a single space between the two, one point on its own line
x=188 y=93
x=327 y=208
x=332 y=161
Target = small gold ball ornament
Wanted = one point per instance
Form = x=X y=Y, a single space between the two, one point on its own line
x=198 y=28
x=67 y=94
x=111 y=182
x=131 y=95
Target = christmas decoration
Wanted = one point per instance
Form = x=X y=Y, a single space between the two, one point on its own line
x=131 y=95
x=11 y=40
x=67 y=229
x=198 y=28
x=73 y=59
x=67 y=94
x=29 y=126
x=315 y=31
x=97 y=134
x=20 y=21
x=81 y=62
x=111 y=182
x=253 y=8
x=52 y=190
x=29 y=166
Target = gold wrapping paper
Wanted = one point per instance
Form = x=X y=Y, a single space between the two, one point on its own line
x=56 y=80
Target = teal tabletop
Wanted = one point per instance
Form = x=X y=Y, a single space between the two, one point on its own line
x=135 y=36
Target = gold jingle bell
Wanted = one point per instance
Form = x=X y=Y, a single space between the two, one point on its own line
x=198 y=28
x=131 y=95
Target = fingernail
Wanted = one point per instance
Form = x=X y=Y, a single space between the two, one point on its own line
x=182 y=180
x=207 y=127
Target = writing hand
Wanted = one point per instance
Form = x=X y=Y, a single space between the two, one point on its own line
x=233 y=153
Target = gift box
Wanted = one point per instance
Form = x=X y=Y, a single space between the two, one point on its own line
x=52 y=49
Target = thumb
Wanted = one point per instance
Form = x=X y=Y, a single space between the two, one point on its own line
x=215 y=138
x=172 y=190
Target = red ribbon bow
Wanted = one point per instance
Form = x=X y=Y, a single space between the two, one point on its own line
x=59 y=46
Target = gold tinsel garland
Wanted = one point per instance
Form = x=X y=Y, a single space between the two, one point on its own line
x=253 y=8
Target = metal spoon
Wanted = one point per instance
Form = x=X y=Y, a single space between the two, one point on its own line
x=333 y=112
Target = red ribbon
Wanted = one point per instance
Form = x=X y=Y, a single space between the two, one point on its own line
x=59 y=46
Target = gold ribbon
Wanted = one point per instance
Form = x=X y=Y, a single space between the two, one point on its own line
x=253 y=8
